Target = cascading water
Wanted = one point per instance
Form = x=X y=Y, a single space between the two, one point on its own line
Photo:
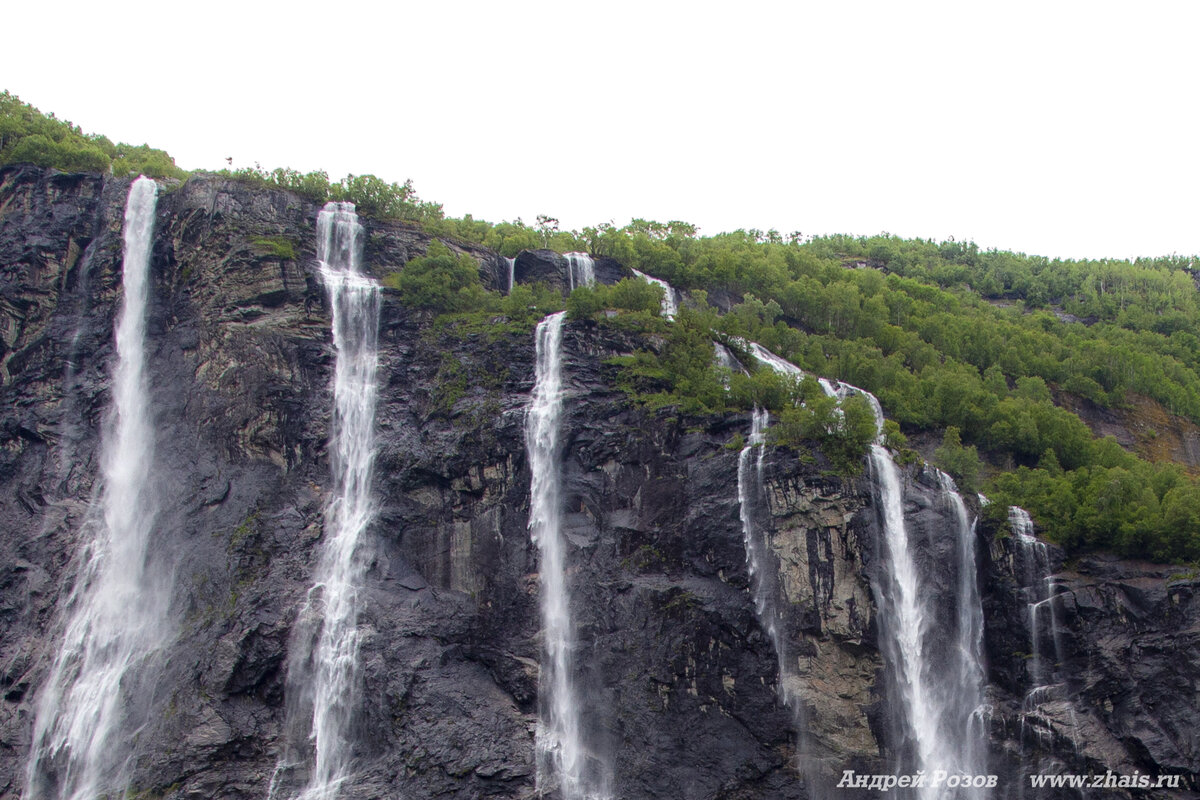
x=562 y=757
x=939 y=689
x=1039 y=588
x=902 y=617
x=512 y=273
x=116 y=618
x=726 y=359
x=670 y=301
x=759 y=563
x=964 y=713
x=323 y=669
x=780 y=365
x=765 y=589
x=1047 y=687
x=764 y=572
x=581 y=270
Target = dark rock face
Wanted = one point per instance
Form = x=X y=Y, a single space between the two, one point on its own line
x=677 y=677
x=1124 y=697
x=547 y=266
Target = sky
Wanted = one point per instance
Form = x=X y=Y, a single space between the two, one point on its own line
x=1065 y=129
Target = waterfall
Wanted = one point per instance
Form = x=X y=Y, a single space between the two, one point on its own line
x=561 y=753
x=780 y=365
x=940 y=688
x=764 y=576
x=936 y=674
x=765 y=589
x=670 y=301
x=726 y=359
x=902 y=617
x=323 y=668
x=1039 y=588
x=1047 y=685
x=764 y=572
x=581 y=270
x=115 y=616
x=964 y=712
x=512 y=273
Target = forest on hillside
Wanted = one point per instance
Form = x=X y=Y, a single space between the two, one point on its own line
x=984 y=350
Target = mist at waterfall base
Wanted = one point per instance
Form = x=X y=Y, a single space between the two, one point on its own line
x=323 y=665
x=115 y=618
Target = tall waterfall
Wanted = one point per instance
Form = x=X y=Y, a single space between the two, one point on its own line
x=939 y=687
x=323 y=668
x=512 y=273
x=670 y=301
x=964 y=713
x=902 y=617
x=764 y=574
x=115 y=616
x=562 y=757
x=581 y=270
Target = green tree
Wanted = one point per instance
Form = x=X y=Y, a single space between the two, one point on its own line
x=440 y=281
x=961 y=463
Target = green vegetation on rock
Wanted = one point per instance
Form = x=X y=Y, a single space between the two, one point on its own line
x=987 y=351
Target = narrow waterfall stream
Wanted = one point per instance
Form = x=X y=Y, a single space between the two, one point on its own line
x=115 y=616
x=512 y=273
x=902 y=616
x=562 y=755
x=1038 y=583
x=670 y=301
x=964 y=712
x=323 y=668
x=764 y=578
x=1046 y=699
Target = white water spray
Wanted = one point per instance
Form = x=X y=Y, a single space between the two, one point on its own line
x=760 y=565
x=323 y=668
x=902 y=616
x=725 y=358
x=512 y=273
x=116 y=618
x=780 y=365
x=941 y=699
x=670 y=300
x=562 y=757
x=963 y=710
x=581 y=270
x=1047 y=690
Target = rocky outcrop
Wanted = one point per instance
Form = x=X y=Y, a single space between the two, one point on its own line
x=1123 y=697
x=679 y=679
x=550 y=268
x=1143 y=426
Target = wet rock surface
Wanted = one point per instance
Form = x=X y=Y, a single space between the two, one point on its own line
x=678 y=680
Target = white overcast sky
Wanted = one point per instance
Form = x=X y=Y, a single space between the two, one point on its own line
x=1057 y=128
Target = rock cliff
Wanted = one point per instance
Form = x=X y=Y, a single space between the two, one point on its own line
x=678 y=679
